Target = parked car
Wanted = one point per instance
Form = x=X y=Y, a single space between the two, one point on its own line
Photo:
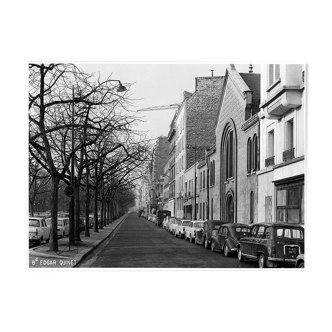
x=192 y=228
x=226 y=239
x=179 y=230
x=203 y=236
x=161 y=215
x=154 y=219
x=299 y=261
x=63 y=227
x=38 y=230
x=272 y=244
x=173 y=223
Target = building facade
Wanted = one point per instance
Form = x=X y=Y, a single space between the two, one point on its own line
x=237 y=148
x=282 y=141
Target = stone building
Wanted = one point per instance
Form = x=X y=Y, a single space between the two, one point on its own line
x=237 y=148
x=282 y=141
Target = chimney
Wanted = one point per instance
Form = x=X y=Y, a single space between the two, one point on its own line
x=212 y=72
x=250 y=69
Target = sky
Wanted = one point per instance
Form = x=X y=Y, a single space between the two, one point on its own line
x=158 y=84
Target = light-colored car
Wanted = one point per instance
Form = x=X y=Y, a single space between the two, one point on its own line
x=180 y=228
x=192 y=228
x=173 y=223
x=63 y=227
x=38 y=230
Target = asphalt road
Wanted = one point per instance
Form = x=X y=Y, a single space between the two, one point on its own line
x=138 y=243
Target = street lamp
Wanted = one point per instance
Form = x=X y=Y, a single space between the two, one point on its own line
x=195 y=149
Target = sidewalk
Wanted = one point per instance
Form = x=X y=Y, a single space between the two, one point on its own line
x=43 y=257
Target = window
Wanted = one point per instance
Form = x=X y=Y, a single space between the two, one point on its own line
x=261 y=230
x=267 y=233
x=289 y=141
x=212 y=208
x=270 y=143
x=290 y=202
x=252 y=207
x=229 y=156
x=249 y=154
x=204 y=211
x=274 y=73
x=203 y=179
x=255 y=153
x=200 y=210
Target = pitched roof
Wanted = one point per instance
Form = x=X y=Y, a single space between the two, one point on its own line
x=253 y=82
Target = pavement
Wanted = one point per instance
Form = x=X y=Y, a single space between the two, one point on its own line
x=43 y=257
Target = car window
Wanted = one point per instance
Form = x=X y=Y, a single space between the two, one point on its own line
x=198 y=225
x=254 y=231
x=260 y=232
x=34 y=222
x=267 y=233
x=243 y=230
x=43 y=223
x=290 y=233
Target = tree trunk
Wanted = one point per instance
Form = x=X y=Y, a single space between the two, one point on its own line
x=54 y=214
x=95 y=226
x=77 y=211
x=111 y=212
x=101 y=224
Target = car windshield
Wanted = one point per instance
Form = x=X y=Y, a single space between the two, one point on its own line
x=198 y=224
x=34 y=222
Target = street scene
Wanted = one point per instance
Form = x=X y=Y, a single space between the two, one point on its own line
x=210 y=173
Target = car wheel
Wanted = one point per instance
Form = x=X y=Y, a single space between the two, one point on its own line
x=206 y=243
x=48 y=240
x=212 y=246
x=40 y=241
x=226 y=250
x=239 y=255
x=185 y=236
x=261 y=261
x=301 y=265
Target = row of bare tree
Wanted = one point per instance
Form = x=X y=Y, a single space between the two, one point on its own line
x=76 y=119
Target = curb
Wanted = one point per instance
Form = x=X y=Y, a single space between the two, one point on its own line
x=100 y=242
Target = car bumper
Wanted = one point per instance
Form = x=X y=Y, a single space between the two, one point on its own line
x=283 y=260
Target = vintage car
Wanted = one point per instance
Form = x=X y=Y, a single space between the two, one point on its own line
x=161 y=215
x=173 y=223
x=167 y=222
x=226 y=239
x=299 y=261
x=180 y=228
x=204 y=236
x=192 y=228
x=63 y=227
x=272 y=244
x=38 y=230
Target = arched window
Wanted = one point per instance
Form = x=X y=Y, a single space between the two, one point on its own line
x=252 y=207
x=230 y=208
x=255 y=153
x=229 y=155
x=249 y=156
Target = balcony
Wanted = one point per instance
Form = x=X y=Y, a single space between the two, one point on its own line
x=288 y=154
x=269 y=161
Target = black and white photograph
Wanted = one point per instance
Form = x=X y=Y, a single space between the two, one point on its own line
x=167 y=165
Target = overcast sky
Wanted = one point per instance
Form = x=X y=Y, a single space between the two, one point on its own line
x=157 y=84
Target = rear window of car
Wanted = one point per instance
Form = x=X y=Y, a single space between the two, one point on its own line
x=34 y=222
x=186 y=223
x=243 y=230
x=290 y=233
x=199 y=224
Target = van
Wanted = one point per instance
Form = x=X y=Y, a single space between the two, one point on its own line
x=161 y=215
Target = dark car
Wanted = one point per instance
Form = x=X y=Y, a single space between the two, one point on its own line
x=161 y=215
x=204 y=236
x=226 y=239
x=272 y=244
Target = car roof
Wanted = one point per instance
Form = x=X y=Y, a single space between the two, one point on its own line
x=231 y=224
x=277 y=224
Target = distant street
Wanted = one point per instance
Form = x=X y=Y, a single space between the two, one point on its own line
x=139 y=243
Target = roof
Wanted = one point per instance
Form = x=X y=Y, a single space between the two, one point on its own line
x=253 y=82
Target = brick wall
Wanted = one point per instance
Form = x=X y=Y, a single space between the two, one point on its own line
x=202 y=110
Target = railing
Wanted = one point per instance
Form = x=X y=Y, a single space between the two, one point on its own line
x=269 y=161
x=288 y=154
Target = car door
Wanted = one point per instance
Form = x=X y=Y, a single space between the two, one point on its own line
x=256 y=241
x=46 y=230
x=222 y=236
x=246 y=242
